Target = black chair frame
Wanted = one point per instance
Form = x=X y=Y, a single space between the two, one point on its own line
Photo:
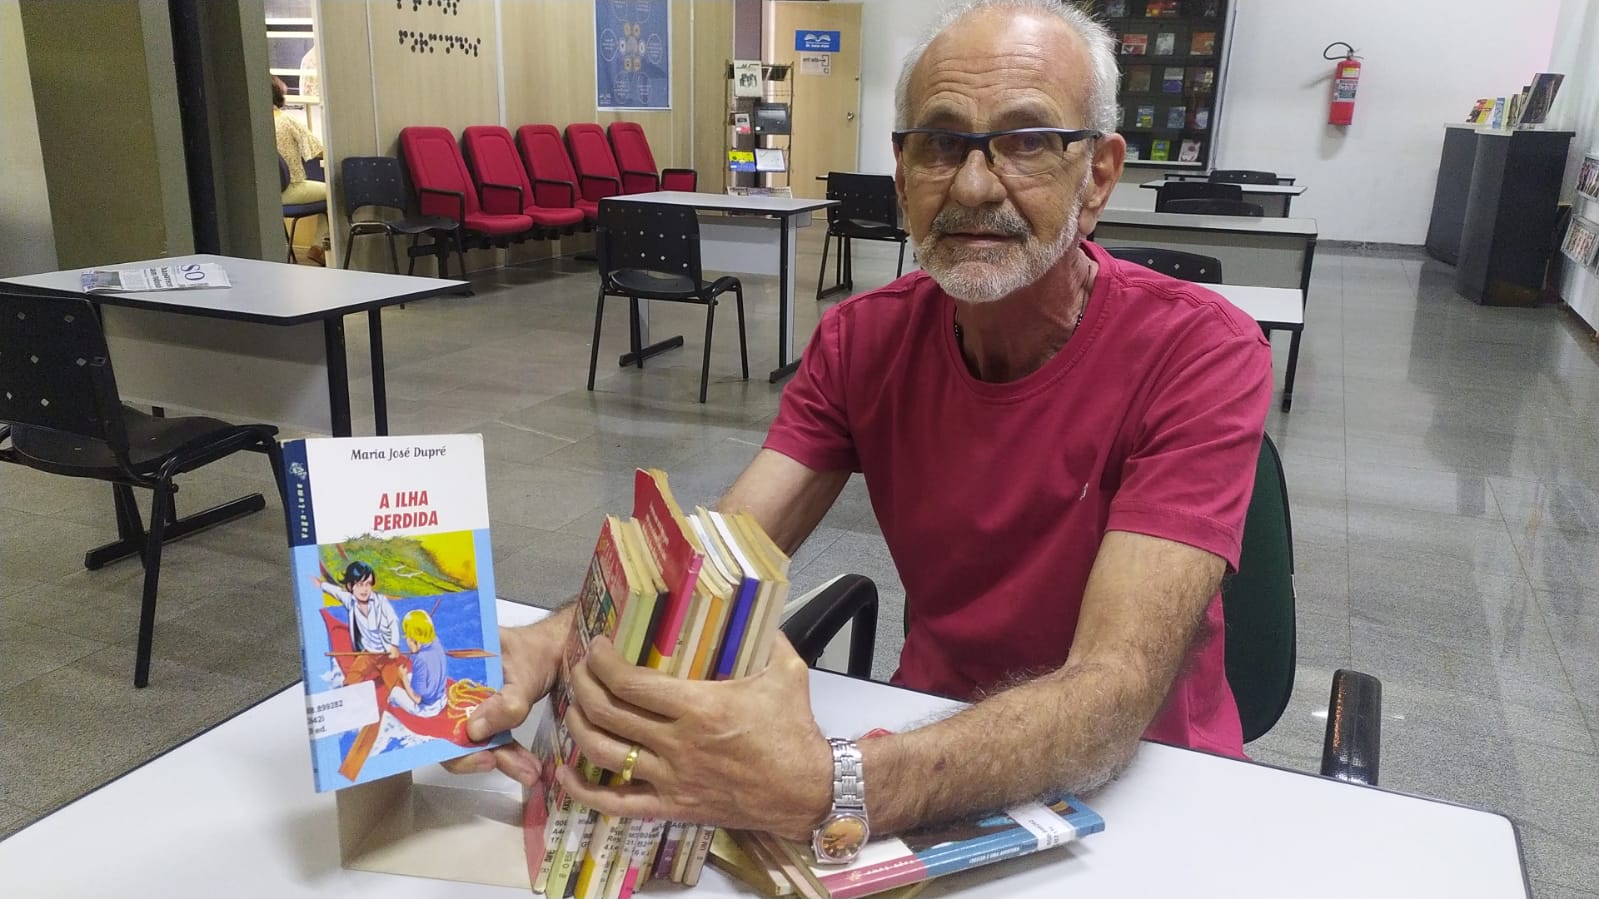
x=1215 y=206
x=1243 y=176
x=1193 y=267
x=1188 y=190
x=867 y=209
x=651 y=251
x=60 y=413
x=379 y=182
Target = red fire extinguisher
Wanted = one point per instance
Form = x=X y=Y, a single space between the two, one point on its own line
x=1346 y=80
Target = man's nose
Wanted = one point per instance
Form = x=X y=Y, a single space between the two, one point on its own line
x=975 y=183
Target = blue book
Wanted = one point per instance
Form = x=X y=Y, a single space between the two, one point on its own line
x=394 y=585
x=743 y=603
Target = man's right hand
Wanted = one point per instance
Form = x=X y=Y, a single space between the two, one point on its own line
x=531 y=656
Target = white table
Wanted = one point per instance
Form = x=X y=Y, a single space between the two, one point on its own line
x=1265 y=252
x=1273 y=308
x=1278 y=197
x=270 y=348
x=233 y=812
x=741 y=243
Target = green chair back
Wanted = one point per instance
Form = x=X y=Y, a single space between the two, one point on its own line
x=1258 y=603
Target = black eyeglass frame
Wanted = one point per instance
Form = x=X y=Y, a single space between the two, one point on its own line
x=983 y=140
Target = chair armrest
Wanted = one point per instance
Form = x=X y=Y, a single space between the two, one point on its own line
x=647 y=181
x=460 y=202
x=569 y=187
x=483 y=192
x=813 y=625
x=1354 y=728
x=693 y=176
x=604 y=180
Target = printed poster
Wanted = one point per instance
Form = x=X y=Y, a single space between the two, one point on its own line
x=632 y=54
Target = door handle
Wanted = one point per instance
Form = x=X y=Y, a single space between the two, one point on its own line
x=849 y=116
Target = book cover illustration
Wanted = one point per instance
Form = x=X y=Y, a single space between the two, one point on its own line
x=1545 y=85
x=891 y=863
x=1144 y=117
x=1189 y=151
x=1160 y=150
x=1175 y=117
x=1199 y=118
x=1165 y=43
x=1588 y=178
x=1115 y=8
x=1135 y=148
x=1203 y=43
x=741 y=160
x=741 y=123
x=1156 y=9
x=1135 y=44
x=1138 y=79
x=1171 y=80
x=394 y=587
x=1204 y=80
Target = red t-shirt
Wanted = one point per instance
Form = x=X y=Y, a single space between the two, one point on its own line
x=993 y=498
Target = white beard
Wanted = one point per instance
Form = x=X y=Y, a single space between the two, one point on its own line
x=985 y=276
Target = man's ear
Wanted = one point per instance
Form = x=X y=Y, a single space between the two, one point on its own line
x=899 y=179
x=1110 y=152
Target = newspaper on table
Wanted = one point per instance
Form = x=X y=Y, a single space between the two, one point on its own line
x=158 y=277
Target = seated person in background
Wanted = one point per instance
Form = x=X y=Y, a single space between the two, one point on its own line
x=422 y=685
x=1059 y=448
x=296 y=145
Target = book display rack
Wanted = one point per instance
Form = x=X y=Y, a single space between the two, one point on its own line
x=1172 y=55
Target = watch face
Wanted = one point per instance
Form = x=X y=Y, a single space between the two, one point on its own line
x=840 y=838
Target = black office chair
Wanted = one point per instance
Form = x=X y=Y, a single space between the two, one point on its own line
x=1189 y=190
x=377 y=182
x=296 y=211
x=1187 y=266
x=60 y=413
x=651 y=251
x=1258 y=613
x=1199 y=206
x=1242 y=176
x=868 y=209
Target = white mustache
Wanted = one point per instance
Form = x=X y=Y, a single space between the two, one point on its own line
x=1002 y=220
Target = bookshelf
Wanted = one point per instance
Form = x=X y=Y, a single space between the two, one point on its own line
x=1581 y=243
x=1173 y=58
x=764 y=160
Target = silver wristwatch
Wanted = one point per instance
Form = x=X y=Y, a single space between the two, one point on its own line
x=840 y=836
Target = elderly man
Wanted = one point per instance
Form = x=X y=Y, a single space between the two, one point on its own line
x=1059 y=447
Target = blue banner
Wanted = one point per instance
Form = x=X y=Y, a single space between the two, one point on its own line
x=632 y=54
x=817 y=41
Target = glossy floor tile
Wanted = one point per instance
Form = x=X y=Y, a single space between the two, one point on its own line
x=1442 y=459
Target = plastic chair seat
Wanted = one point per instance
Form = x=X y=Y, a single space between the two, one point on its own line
x=300 y=210
x=490 y=223
x=648 y=284
x=151 y=441
x=547 y=217
x=589 y=208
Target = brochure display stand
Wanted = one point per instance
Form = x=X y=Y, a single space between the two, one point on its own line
x=760 y=96
x=1173 y=57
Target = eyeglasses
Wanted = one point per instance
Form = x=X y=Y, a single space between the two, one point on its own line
x=1018 y=152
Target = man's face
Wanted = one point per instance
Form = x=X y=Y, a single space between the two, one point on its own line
x=979 y=235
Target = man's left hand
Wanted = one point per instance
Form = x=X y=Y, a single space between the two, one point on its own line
x=743 y=753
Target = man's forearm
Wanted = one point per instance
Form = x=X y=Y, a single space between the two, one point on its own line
x=1072 y=729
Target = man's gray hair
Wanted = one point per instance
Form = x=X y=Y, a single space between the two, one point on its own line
x=1103 y=112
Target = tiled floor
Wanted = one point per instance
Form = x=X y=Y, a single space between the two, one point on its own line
x=1443 y=462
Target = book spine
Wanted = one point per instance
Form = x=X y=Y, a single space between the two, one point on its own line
x=696 y=861
x=642 y=843
x=603 y=846
x=685 y=849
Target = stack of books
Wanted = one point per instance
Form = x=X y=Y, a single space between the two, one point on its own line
x=695 y=595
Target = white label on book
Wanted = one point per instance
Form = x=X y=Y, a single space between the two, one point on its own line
x=411 y=494
x=342 y=708
x=1043 y=824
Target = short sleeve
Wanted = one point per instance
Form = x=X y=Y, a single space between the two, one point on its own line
x=812 y=425
x=1190 y=470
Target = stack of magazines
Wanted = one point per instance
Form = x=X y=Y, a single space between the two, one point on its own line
x=695 y=595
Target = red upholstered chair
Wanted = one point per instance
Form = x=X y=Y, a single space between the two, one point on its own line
x=503 y=184
x=597 y=175
x=445 y=188
x=638 y=163
x=545 y=157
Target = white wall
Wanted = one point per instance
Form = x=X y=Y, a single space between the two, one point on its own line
x=27 y=241
x=1425 y=62
x=1576 y=108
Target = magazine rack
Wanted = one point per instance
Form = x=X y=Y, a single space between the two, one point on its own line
x=461 y=827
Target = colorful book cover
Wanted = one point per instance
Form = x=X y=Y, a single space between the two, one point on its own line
x=1203 y=43
x=1171 y=80
x=1160 y=8
x=741 y=160
x=924 y=854
x=1135 y=44
x=1115 y=8
x=1199 y=118
x=1176 y=116
x=1160 y=150
x=741 y=123
x=1545 y=85
x=1135 y=149
x=394 y=586
x=1165 y=43
x=1204 y=80
x=1138 y=79
x=1145 y=117
x=1189 y=151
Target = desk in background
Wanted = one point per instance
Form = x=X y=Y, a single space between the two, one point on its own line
x=235 y=807
x=1263 y=252
x=270 y=348
x=742 y=242
x=1275 y=198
